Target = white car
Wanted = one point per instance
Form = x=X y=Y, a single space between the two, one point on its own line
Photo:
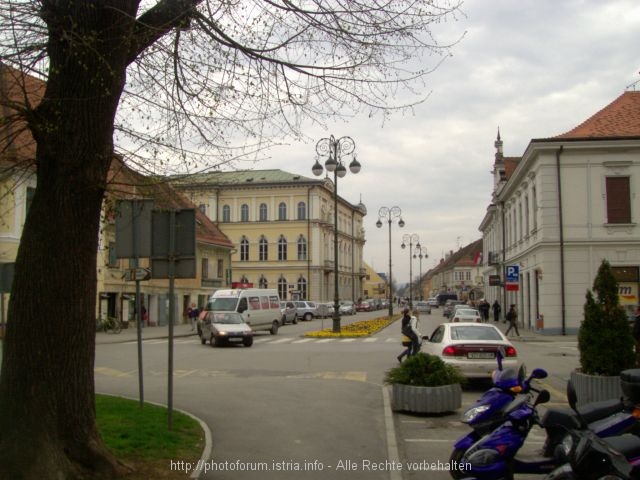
x=466 y=315
x=222 y=328
x=422 y=306
x=433 y=302
x=347 y=308
x=306 y=310
x=471 y=347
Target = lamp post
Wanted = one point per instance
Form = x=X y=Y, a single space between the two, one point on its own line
x=420 y=253
x=412 y=239
x=333 y=150
x=390 y=214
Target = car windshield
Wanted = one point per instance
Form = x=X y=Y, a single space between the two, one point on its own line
x=222 y=304
x=228 y=318
x=467 y=312
x=475 y=332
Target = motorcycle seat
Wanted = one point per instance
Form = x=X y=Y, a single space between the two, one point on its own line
x=627 y=444
x=561 y=417
x=599 y=410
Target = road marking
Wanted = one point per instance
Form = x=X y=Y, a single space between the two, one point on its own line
x=282 y=340
x=326 y=340
x=304 y=340
x=112 y=372
x=347 y=340
x=370 y=340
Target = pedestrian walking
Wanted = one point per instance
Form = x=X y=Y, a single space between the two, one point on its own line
x=409 y=328
x=496 y=311
x=484 y=307
x=512 y=319
x=193 y=315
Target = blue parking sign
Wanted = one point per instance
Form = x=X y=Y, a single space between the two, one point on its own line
x=512 y=274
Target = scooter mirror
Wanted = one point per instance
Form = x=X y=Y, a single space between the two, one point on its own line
x=543 y=397
x=539 y=373
x=572 y=396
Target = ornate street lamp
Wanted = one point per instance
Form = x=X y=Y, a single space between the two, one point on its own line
x=421 y=252
x=333 y=151
x=412 y=239
x=390 y=214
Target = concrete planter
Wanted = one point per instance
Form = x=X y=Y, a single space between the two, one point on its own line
x=410 y=398
x=593 y=388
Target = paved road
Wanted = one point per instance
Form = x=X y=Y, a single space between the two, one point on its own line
x=291 y=402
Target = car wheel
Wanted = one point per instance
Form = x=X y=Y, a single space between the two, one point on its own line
x=295 y=319
x=274 y=328
x=307 y=317
x=247 y=342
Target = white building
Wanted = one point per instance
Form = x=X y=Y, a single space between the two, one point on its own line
x=568 y=203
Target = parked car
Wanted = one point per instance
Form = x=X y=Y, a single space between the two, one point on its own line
x=471 y=347
x=347 y=308
x=289 y=313
x=222 y=328
x=364 y=306
x=422 y=306
x=466 y=315
x=306 y=310
x=447 y=310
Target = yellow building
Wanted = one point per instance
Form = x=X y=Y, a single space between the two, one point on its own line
x=283 y=227
x=374 y=285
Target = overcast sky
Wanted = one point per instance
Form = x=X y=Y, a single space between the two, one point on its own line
x=533 y=68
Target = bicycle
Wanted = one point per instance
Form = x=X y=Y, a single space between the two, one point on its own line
x=110 y=324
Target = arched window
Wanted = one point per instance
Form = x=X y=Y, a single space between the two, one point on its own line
x=244 y=249
x=302 y=287
x=302 y=248
x=263 y=249
x=226 y=213
x=263 y=212
x=282 y=287
x=302 y=211
x=282 y=211
x=262 y=283
x=244 y=213
x=282 y=248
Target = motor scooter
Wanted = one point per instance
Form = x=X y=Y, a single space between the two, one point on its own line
x=593 y=458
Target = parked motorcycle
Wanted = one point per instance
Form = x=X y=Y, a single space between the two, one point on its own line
x=593 y=458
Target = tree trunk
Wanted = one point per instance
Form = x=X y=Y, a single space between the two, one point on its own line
x=47 y=409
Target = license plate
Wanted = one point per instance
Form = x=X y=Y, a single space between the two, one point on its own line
x=481 y=355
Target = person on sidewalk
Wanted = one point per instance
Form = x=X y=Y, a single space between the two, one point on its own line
x=496 y=311
x=512 y=319
x=193 y=313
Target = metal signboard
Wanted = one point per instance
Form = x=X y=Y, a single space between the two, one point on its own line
x=495 y=280
x=512 y=278
x=133 y=228
x=177 y=246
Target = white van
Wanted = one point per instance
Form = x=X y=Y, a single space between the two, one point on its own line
x=260 y=307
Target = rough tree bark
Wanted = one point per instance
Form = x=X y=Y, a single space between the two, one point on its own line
x=47 y=410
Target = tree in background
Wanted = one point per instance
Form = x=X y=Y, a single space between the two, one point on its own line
x=604 y=339
x=171 y=83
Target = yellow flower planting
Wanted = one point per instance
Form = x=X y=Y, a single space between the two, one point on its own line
x=362 y=328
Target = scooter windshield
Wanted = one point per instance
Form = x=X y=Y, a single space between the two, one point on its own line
x=506 y=378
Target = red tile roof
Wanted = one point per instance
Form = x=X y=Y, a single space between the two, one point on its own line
x=621 y=118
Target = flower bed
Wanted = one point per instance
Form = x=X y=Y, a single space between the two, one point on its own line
x=355 y=329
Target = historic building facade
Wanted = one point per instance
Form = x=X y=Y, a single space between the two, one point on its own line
x=568 y=203
x=283 y=227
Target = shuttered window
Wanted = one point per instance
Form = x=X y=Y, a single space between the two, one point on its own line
x=618 y=200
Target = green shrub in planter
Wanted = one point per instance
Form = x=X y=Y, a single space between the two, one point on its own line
x=604 y=339
x=424 y=370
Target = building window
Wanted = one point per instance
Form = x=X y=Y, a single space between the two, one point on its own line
x=302 y=211
x=302 y=287
x=226 y=213
x=220 y=267
x=244 y=249
x=263 y=249
x=282 y=211
x=263 y=282
x=618 y=200
x=534 y=200
x=244 y=213
x=282 y=248
x=203 y=208
x=263 y=212
x=526 y=216
x=205 y=268
x=112 y=261
x=282 y=287
x=302 y=248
